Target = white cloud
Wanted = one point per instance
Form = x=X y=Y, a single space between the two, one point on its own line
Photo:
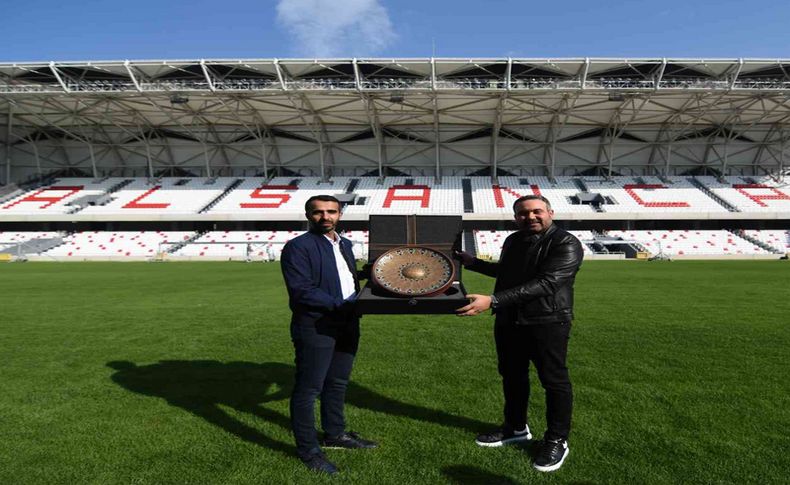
x=336 y=28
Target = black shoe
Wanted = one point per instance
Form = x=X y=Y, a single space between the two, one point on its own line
x=349 y=440
x=551 y=455
x=503 y=436
x=318 y=463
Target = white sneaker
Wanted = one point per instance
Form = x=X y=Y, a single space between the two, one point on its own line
x=503 y=436
x=551 y=455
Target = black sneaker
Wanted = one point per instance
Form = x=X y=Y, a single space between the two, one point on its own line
x=503 y=436
x=349 y=440
x=318 y=463
x=551 y=455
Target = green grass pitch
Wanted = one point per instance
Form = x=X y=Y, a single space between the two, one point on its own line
x=143 y=373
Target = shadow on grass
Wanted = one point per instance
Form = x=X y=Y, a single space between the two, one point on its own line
x=463 y=474
x=202 y=386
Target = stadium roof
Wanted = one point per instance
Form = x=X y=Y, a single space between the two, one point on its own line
x=333 y=116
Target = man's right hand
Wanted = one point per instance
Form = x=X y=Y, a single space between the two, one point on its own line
x=465 y=258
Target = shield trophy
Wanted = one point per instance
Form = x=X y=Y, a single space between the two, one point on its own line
x=410 y=271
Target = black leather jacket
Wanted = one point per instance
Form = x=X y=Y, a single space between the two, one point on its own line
x=539 y=290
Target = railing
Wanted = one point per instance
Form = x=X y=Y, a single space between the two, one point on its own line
x=747 y=83
x=98 y=86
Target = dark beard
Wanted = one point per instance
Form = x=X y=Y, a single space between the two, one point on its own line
x=319 y=229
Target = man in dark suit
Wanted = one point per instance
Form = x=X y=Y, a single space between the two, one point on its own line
x=533 y=305
x=322 y=282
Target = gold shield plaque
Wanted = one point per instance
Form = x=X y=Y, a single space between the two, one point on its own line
x=413 y=271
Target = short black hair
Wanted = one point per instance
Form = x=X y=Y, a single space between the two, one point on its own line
x=322 y=198
x=531 y=197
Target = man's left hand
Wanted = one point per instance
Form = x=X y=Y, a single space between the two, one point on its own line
x=477 y=304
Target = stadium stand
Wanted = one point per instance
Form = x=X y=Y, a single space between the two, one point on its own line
x=283 y=198
x=280 y=197
x=778 y=240
x=488 y=244
x=359 y=243
x=8 y=192
x=22 y=244
x=490 y=198
x=237 y=245
x=751 y=194
x=650 y=195
x=407 y=195
x=8 y=238
x=253 y=245
x=115 y=244
x=58 y=197
x=165 y=195
x=411 y=136
x=478 y=198
x=675 y=243
x=692 y=242
x=267 y=245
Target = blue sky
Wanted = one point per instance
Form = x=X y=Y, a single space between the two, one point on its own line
x=37 y=30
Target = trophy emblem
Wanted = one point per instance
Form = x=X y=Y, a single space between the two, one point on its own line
x=413 y=271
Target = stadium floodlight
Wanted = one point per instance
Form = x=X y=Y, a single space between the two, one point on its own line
x=616 y=97
x=178 y=99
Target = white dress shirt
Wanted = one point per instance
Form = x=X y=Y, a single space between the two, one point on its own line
x=346 y=278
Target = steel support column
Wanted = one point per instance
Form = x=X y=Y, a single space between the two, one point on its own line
x=373 y=120
x=782 y=155
x=263 y=129
x=307 y=106
x=128 y=67
x=375 y=125
x=558 y=120
x=437 y=144
x=8 y=145
x=207 y=76
x=148 y=158
x=38 y=160
x=667 y=159
x=495 y=137
x=93 y=160
x=264 y=161
x=206 y=158
x=57 y=76
x=615 y=129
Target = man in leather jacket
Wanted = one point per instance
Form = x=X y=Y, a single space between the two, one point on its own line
x=533 y=306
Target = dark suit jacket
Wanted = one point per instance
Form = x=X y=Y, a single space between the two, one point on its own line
x=310 y=273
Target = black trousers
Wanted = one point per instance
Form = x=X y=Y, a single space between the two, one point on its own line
x=324 y=358
x=546 y=345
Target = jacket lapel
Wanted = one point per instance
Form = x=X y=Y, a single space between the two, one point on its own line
x=328 y=264
x=536 y=243
x=348 y=255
